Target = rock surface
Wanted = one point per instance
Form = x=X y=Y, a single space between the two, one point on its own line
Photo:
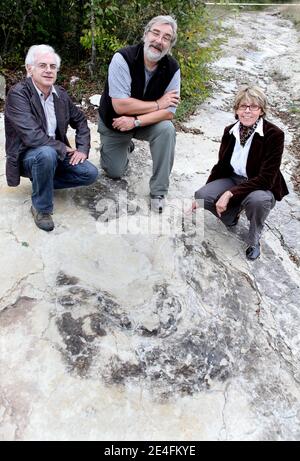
x=2 y=87
x=95 y=99
x=109 y=331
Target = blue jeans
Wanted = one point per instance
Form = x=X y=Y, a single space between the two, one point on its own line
x=47 y=173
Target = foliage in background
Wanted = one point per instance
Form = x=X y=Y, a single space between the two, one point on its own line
x=116 y=23
x=27 y=22
x=292 y=12
x=113 y=24
x=86 y=33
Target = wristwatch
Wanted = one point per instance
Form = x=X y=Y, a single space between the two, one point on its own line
x=137 y=122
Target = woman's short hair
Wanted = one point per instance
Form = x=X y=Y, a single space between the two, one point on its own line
x=40 y=49
x=251 y=93
x=163 y=20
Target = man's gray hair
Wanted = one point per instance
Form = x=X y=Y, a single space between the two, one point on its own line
x=163 y=20
x=40 y=49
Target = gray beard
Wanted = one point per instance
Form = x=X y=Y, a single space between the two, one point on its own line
x=154 y=57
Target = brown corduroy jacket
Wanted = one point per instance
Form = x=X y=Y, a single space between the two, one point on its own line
x=263 y=163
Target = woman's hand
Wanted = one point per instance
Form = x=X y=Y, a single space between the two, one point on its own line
x=193 y=208
x=222 y=203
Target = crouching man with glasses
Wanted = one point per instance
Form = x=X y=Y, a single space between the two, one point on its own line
x=247 y=174
x=139 y=101
x=37 y=116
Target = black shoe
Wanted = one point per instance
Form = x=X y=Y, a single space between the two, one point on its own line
x=253 y=251
x=157 y=203
x=131 y=147
x=43 y=221
x=234 y=222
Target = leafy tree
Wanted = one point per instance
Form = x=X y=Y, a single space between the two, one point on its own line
x=88 y=32
x=113 y=24
x=23 y=23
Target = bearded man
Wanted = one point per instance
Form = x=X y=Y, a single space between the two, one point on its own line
x=139 y=101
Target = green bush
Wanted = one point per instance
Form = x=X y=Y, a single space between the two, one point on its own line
x=111 y=25
x=86 y=33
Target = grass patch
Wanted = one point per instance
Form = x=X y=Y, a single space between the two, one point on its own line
x=188 y=106
x=294 y=108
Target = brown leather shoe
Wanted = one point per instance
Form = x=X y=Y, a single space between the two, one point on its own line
x=43 y=221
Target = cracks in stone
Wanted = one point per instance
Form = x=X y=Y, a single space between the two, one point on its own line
x=15 y=415
x=273 y=343
x=181 y=127
x=14 y=288
x=292 y=254
x=290 y=365
x=17 y=284
x=116 y=342
x=33 y=249
x=6 y=404
x=223 y=429
x=191 y=283
x=18 y=431
x=43 y=333
x=232 y=278
x=12 y=233
x=8 y=412
x=245 y=275
x=255 y=287
x=20 y=299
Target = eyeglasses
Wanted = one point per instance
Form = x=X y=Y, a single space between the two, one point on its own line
x=252 y=107
x=44 y=66
x=157 y=34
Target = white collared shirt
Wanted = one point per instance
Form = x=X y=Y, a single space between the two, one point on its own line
x=48 y=106
x=240 y=153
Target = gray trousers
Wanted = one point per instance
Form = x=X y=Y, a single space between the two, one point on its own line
x=161 y=137
x=257 y=205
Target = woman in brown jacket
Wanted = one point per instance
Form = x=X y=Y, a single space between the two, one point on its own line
x=247 y=175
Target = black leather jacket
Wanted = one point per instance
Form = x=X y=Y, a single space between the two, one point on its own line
x=26 y=126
